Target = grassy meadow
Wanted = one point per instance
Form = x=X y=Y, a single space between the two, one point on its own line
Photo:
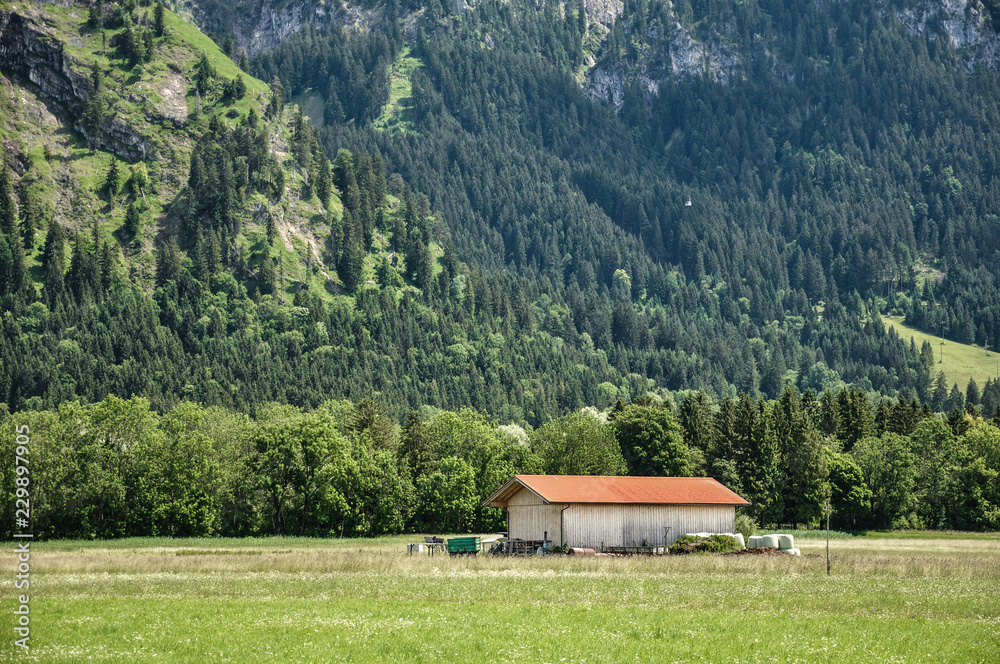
x=297 y=600
x=961 y=361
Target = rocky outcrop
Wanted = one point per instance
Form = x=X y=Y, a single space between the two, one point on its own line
x=271 y=25
x=603 y=11
x=677 y=53
x=966 y=23
x=260 y=25
x=256 y=26
x=607 y=86
x=28 y=51
x=710 y=51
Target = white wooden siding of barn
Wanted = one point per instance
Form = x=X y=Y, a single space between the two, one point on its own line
x=622 y=524
x=529 y=517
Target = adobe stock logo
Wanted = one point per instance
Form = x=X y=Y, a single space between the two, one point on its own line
x=22 y=516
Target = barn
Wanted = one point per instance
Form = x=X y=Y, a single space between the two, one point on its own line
x=600 y=512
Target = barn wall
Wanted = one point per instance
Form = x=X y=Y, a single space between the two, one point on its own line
x=530 y=517
x=620 y=525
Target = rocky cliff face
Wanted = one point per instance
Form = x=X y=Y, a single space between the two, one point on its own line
x=965 y=22
x=603 y=11
x=709 y=51
x=28 y=51
x=261 y=25
x=257 y=26
x=677 y=53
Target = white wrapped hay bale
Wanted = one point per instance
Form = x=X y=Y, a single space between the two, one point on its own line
x=769 y=541
x=791 y=552
x=786 y=542
x=740 y=543
x=755 y=541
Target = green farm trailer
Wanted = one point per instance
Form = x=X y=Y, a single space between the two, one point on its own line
x=463 y=546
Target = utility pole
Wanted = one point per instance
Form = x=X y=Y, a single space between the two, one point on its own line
x=828 y=537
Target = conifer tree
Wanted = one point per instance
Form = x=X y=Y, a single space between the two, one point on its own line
x=756 y=455
x=106 y=263
x=271 y=230
x=16 y=277
x=972 y=395
x=346 y=181
x=133 y=221
x=30 y=214
x=398 y=238
x=725 y=431
x=352 y=260
x=276 y=103
x=324 y=181
x=95 y=14
x=8 y=209
x=112 y=180
x=803 y=484
x=6 y=266
x=418 y=259
x=81 y=279
x=697 y=422
x=239 y=87
x=939 y=398
x=417 y=447
x=856 y=418
x=168 y=261
x=159 y=25
x=882 y=416
x=53 y=262
x=204 y=72
x=267 y=277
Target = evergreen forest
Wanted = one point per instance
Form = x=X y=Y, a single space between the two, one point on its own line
x=349 y=282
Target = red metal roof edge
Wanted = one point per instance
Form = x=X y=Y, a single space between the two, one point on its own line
x=525 y=480
x=503 y=489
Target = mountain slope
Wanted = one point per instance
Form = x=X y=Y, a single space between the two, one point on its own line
x=497 y=237
x=211 y=270
x=830 y=154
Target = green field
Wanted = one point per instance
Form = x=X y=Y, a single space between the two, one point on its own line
x=961 y=361
x=294 y=600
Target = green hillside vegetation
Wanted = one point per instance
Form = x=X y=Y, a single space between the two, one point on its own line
x=962 y=362
x=397 y=114
x=64 y=176
x=511 y=242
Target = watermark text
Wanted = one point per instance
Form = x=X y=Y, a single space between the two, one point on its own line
x=22 y=538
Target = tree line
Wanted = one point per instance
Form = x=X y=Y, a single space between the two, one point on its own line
x=117 y=468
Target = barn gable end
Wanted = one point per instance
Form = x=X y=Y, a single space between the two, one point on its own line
x=530 y=517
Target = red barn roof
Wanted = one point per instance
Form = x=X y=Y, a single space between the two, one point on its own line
x=605 y=489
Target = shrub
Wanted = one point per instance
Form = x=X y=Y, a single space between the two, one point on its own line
x=746 y=526
x=710 y=544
